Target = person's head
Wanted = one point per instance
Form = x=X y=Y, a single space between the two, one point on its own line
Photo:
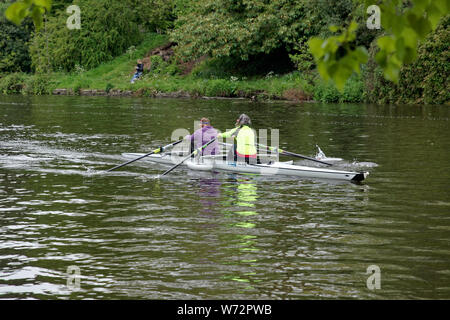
x=204 y=122
x=139 y=61
x=243 y=120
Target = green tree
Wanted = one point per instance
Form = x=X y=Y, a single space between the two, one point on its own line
x=405 y=24
x=106 y=31
x=34 y=9
x=153 y=15
x=14 y=54
x=238 y=28
x=423 y=81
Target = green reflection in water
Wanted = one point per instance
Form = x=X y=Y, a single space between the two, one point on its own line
x=242 y=195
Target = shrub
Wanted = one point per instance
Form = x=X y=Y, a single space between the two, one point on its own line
x=161 y=67
x=14 y=55
x=424 y=81
x=12 y=83
x=109 y=87
x=220 y=88
x=106 y=31
x=38 y=84
x=327 y=92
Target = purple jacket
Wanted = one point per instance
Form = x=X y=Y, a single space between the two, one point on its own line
x=203 y=136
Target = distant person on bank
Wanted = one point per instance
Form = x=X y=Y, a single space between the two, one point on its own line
x=139 y=71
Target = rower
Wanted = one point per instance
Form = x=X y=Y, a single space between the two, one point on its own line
x=202 y=135
x=244 y=148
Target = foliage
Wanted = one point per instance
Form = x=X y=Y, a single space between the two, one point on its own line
x=153 y=15
x=220 y=88
x=161 y=67
x=109 y=87
x=12 y=83
x=336 y=57
x=237 y=28
x=14 y=54
x=406 y=22
x=34 y=9
x=318 y=17
x=327 y=92
x=424 y=81
x=104 y=34
x=38 y=84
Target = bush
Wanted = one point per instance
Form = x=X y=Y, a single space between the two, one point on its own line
x=12 y=83
x=38 y=84
x=14 y=55
x=220 y=88
x=109 y=87
x=327 y=92
x=424 y=81
x=106 y=32
x=153 y=15
x=161 y=67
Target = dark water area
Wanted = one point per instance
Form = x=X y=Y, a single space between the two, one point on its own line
x=202 y=235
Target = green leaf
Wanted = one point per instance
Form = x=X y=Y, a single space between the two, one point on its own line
x=410 y=55
x=36 y=15
x=443 y=5
x=334 y=28
x=17 y=12
x=352 y=27
x=315 y=47
x=386 y=43
x=400 y=48
x=419 y=24
x=47 y=4
x=361 y=54
x=434 y=15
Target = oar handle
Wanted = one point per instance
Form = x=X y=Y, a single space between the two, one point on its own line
x=160 y=149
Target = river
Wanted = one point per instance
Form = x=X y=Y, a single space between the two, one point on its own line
x=68 y=230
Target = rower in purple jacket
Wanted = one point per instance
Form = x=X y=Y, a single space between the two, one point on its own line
x=202 y=136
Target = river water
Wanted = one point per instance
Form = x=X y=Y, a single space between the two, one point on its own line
x=68 y=230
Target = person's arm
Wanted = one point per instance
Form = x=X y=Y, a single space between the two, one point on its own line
x=227 y=134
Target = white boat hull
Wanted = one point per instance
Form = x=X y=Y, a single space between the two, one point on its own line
x=216 y=163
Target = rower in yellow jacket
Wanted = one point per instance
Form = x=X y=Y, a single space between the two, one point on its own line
x=244 y=146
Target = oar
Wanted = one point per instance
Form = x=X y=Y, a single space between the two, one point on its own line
x=160 y=149
x=287 y=153
x=193 y=153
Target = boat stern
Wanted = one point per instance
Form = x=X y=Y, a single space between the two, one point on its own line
x=360 y=176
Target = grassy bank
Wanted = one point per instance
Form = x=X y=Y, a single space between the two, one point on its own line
x=204 y=80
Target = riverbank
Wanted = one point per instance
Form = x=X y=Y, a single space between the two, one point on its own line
x=166 y=79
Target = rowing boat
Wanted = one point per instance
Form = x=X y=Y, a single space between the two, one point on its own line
x=219 y=163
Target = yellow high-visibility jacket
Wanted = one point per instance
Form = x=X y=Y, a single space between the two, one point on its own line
x=245 y=140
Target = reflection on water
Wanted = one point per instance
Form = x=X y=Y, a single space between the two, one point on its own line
x=241 y=192
x=209 y=192
x=202 y=235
